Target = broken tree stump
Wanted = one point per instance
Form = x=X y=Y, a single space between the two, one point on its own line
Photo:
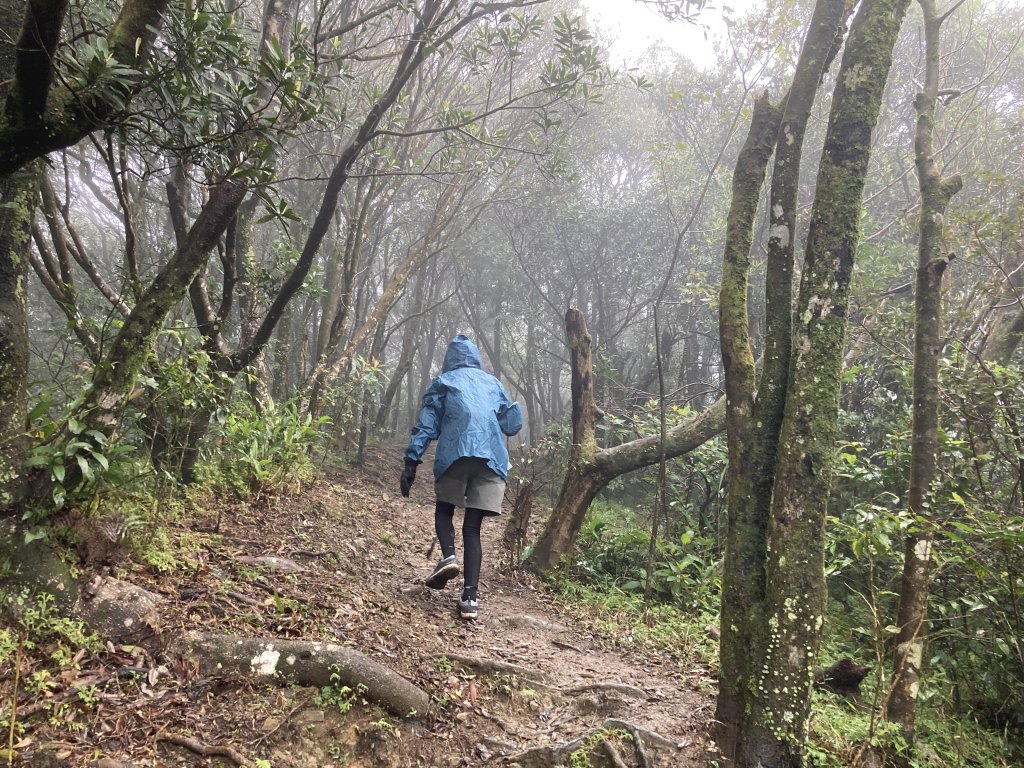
x=844 y=677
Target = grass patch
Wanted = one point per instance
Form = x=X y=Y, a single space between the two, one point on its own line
x=622 y=619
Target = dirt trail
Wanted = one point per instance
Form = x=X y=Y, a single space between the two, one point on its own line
x=362 y=553
x=584 y=682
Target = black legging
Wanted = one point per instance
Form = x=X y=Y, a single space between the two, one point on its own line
x=473 y=555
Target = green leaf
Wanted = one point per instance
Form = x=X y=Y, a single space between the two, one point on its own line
x=86 y=468
x=101 y=460
x=35 y=534
x=40 y=408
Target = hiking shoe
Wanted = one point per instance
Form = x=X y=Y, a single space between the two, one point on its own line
x=468 y=608
x=446 y=570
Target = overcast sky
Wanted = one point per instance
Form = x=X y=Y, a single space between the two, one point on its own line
x=635 y=27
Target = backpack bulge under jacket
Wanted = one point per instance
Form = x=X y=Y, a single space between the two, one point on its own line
x=467 y=411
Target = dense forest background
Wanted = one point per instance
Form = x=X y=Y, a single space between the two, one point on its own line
x=248 y=267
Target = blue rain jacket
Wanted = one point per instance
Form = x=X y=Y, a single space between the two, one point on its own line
x=467 y=411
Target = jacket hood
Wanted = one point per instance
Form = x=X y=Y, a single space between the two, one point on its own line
x=462 y=353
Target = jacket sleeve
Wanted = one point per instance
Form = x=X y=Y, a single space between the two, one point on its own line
x=510 y=416
x=428 y=425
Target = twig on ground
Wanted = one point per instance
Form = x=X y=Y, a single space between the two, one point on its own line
x=286 y=718
x=567 y=646
x=44 y=704
x=242 y=597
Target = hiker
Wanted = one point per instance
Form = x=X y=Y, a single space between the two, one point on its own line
x=467 y=411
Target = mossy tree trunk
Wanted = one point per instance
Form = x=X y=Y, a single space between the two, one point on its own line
x=932 y=258
x=18 y=194
x=591 y=468
x=39 y=116
x=754 y=418
x=775 y=729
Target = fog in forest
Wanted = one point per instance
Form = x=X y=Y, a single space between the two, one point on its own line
x=752 y=270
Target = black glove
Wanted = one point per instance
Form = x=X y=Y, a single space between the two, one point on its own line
x=408 y=476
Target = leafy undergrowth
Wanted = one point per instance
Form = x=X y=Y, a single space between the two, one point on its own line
x=349 y=556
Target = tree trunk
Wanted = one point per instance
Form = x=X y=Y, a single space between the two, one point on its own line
x=592 y=468
x=746 y=523
x=580 y=484
x=936 y=192
x=18 y=193
x=753 y=423
x=795 y=583
x=37 y=118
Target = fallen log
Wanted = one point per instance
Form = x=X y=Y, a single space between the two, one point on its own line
x=304 y=662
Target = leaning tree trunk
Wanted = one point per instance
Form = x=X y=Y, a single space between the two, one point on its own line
x=775 y=730
x=592 y=468
x=936 y=192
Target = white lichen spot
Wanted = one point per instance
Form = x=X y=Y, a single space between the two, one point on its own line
x=790 y=138
x=821 y=305
x=796 y=656
x=856 y=76
x=779 y=232
x=916 y=655
x=129 y=621
x=107 y=400
x=923 y=550
x=291 y=660
x=266 y=662
x=937 y=218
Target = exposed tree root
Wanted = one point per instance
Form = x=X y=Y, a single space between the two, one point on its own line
x=600 y=747
x=653 y=739
x=628 y=690
x=488 y=666
x=304 y=662
x=613 y=755
x=206 y=750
